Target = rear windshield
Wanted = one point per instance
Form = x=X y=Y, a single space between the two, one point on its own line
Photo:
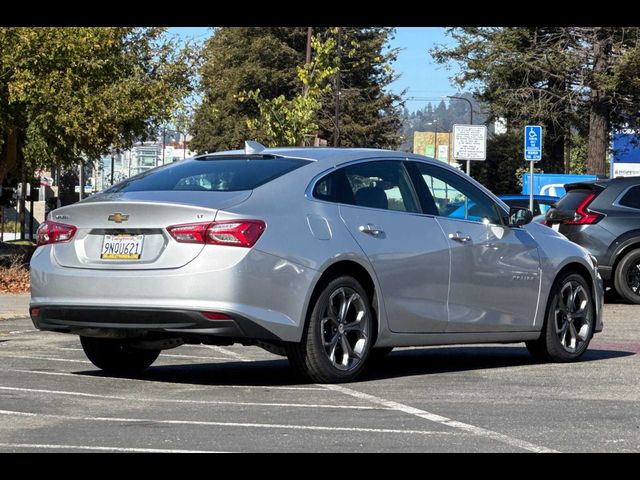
x=572 y=200
x=220 y=175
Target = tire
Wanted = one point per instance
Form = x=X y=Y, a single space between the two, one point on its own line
x=335 y=346
x=568 y=326
x=626 y=278
x=116 y=356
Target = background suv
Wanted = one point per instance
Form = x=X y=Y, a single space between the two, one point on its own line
x=603 y=216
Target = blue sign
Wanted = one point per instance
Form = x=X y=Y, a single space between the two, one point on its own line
x=533 y=143
x=626 y=147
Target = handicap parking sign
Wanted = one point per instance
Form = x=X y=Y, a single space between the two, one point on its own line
x=533 y=143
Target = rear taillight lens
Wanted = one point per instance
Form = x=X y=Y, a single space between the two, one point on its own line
x=584 y=216
x=235 y=233
x=54 y=232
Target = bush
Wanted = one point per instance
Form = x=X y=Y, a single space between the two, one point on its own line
x=20 y=252
x=15 y=277
x=11 y=227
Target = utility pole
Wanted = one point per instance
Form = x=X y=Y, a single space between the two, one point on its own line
x=23 y=195
x=336 y=130
x=308 y=58
x=164 y=134
x=81 y=180
x=113 y=166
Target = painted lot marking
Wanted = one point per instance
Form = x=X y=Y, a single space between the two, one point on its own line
x=479 y=431
x=79 y=375
x=472 y=429
x=100 y=449
x=171 y=355
x=196 y=402
x=49 y=359
x=225 y=424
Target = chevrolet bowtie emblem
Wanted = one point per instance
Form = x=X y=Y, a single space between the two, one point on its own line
x=118 y=218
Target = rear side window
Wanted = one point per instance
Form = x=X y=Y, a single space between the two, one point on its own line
x=631 y=199
x=572 y=200
x=220 y=175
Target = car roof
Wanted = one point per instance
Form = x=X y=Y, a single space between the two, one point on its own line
x=324 y=155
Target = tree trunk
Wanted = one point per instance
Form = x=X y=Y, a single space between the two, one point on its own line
x=600 y=108
x=598 y=135
x=9 y=155
x=553 y=149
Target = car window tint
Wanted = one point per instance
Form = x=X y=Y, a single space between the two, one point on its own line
x=631 y=199
x=212 y=175
x=544 y=206
x=381 y=184
x=456 y=197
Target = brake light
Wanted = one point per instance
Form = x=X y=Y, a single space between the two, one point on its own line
x=54 y=232
x=236 y=233
x=583 y=217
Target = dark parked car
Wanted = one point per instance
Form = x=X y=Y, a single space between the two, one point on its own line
x=603 y=216
x=541 y=203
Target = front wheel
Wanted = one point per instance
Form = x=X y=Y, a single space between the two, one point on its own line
x=117 y=356
x=568 y=327
x=337 y=339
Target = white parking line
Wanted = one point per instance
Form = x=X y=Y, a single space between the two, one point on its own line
x=229 y=353
x=172 y=355
x=100 y=449
x=279 y=426
x=196 y=402
x=49 y=359
x=479 y=431
x=77 y=375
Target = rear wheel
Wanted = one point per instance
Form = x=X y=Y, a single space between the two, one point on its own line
x=117 y=356
x=568 y=327
x=337 y=339
x=626 y=278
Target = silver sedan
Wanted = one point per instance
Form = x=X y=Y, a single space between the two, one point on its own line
x=328 y=256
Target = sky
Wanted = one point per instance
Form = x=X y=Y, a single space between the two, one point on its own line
x=419 y=74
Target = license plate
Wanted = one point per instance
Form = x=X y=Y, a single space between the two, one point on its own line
x=555 y=226
x=122 y=247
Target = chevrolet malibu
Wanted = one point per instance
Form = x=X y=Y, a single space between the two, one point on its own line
x=329 y=256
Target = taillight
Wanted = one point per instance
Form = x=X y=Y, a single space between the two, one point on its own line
x=235 y=233
x=54 y=232
x=583 y=217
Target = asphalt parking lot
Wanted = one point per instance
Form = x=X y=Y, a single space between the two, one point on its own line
x=243 y=399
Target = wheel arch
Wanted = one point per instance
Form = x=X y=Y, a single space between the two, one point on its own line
x=353 y=268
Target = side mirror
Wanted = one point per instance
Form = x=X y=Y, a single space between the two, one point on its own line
x=519 y=216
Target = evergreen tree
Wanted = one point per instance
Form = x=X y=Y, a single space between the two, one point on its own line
x=239 y=59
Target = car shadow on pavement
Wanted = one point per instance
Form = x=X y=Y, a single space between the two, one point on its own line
x=431 y=361
x=400 y=363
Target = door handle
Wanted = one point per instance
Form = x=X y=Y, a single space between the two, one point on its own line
x=459 y=237
x=371 y=229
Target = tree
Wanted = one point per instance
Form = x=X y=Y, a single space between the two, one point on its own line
x=243 y=59
x=558 y=76
x=238 y=59
x=71 y=92
x=285 y=122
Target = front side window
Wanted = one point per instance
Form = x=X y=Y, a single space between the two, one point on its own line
x=456 y=198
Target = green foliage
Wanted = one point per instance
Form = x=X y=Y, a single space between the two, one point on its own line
x=569 y=79
x=267 y=60
x=67 y=92
x=285 y=122
x=501 y=171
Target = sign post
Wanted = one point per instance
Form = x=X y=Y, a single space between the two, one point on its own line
x=532 y=153
x=470 y=143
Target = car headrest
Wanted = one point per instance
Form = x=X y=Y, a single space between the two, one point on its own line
x=372 y=197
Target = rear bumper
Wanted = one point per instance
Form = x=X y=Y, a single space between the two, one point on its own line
x=264 y=289
x=140 y=322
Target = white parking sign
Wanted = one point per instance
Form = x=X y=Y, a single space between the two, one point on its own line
x=470 y=142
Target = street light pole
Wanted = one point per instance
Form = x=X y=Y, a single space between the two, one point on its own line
x=470 y=123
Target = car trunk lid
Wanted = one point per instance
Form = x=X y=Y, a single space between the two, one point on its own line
x=127 y=231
